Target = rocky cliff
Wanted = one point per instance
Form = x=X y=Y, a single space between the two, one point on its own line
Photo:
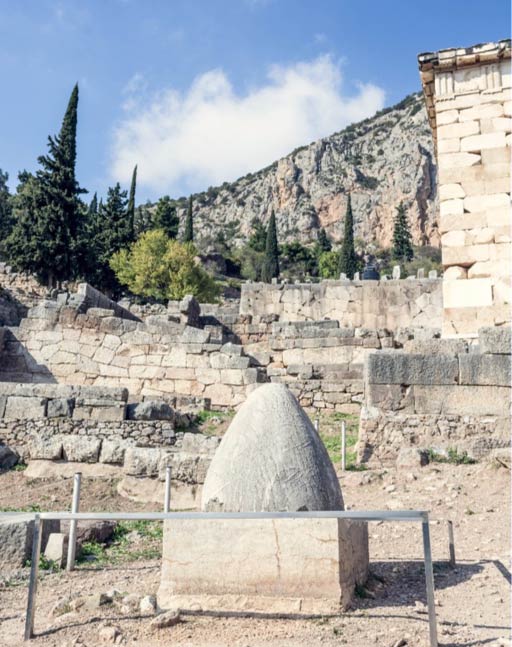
x=380 y=161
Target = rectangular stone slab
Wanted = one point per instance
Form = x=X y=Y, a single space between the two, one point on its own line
x=262 y=565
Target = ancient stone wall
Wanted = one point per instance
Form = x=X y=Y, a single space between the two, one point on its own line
x=438 y=394
x=469 y=100
x=152 y=359
x=356 y=304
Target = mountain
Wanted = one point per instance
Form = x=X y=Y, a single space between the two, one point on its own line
x=382 y=160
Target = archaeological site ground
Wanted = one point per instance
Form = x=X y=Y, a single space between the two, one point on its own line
x=245 y=400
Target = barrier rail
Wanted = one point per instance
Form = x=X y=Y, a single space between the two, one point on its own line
x=365 y=516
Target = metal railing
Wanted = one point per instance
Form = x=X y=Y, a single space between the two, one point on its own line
x=364 y=516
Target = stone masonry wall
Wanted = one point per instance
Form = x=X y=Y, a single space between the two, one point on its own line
x=469 y=99
x=356 y=304
x=438 y=394
x=156 y=358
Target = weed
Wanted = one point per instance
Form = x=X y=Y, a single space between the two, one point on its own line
x=360 y=591
x=19 y=467
x=469 y=512
x=451 y=456
x=45 y=564
x=28 y=508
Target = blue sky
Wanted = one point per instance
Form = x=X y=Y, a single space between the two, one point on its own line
x=201 y=91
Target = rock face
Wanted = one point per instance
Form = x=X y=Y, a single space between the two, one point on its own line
x=271 y=459
x=380 y=161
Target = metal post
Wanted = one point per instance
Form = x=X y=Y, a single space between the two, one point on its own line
x=451 y=542
x=34 y=569
x=70 y=563
x=317 y=424
x=167 y=498
x=429 y=582
x=343 y=446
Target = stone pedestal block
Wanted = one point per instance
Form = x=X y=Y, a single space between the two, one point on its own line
x=267 y=566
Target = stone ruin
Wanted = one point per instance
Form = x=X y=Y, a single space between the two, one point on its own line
x=271 y=459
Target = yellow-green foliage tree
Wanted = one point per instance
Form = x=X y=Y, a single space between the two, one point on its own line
x=159 y=267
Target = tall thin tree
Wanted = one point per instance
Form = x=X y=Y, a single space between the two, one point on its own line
x=130 y=210
x=348 y=259
x=270 y=269
x=188 y=235
x=402 y=241
x=46 y=234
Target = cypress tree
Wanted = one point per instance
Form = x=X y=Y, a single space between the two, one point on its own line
x=109 y=234
x=93 y=206
x=188 y=236
x=270 y=267
x=130 y=210
x=5 y=208
x=323 y=241
x=348 y=259
x=46 y=235
x=166 y=218
x=402 y=244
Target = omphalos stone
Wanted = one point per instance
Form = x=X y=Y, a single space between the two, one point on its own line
x=271 y=459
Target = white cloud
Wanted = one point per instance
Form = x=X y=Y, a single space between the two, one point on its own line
x=185 y=141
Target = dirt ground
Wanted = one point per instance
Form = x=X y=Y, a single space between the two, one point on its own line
x=473 y=600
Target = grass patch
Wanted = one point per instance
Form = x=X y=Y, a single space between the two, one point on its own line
x=19 y=467
x=28 y=508
x=124 y=546
x=452 y=456
x=208 y=422
x=330 y=433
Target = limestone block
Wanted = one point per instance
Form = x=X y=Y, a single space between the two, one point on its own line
x=502 y=292
x=142 y=461
x=231 y=376
x=449 y=207
x=16 y=539
x=485 y=370
x=177 y=356
x=114 y=413
x=454 y=238
x=112 y=451
x=20 y=408
x=451 y=160
x=481 y=236
x=484 y=269
x=498 y=217
x=466 y=255
x=449 y=145
x=458 y=130
x=150 y=410
x=207 y=375
x=467 y=294
x=410 y=458
x=501 y=252
x=502 y=124
x=494 y=156
x=495 y=340
x=477 y=143
x=448 y=117
x=103 y=355
x=455 y=273
x=451 y=191
x=486 y=111
x=477 y=203
x=222 y=360
x=60 y=407
x=220 y=395
x=463 y=400
x=81 y=449
x=507 y=108
x=192 y=335
x=279 y=566
x=463 y=222
x=57 y=548
x=396 y=367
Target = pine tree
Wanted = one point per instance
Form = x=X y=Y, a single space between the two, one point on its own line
x=166 y=218
x=46 y=234
x=402 y=244
x=270 y=267
x=188 y=236
x=348 y=259
x=130 y=210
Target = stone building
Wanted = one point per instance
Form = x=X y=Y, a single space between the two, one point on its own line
x=468 y=97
